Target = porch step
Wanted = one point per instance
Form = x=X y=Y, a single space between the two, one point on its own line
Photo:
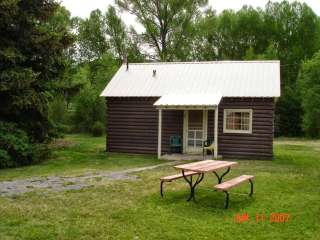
x=192 y=157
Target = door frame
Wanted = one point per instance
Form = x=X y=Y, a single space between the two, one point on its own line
x=186 y=128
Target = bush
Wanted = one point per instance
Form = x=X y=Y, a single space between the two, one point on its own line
x=89 y=108
x=58 y=110
x=16 y=148
x=309 y=88
x=14 y=145
x=97 y=129
x=59 y=118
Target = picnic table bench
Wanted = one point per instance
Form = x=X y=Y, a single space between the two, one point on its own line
x=199 y=169
x=225 y=186
x=173 y=177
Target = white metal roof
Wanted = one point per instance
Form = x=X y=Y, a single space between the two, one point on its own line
x=229 y=78
x=188 y=100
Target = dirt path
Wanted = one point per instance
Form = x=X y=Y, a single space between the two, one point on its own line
x=55 y=183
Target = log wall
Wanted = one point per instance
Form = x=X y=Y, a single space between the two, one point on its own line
x=132 y=127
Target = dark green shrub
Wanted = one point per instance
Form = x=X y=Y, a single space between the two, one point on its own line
x=5 y=159
x=97 y=129
x=16 y=148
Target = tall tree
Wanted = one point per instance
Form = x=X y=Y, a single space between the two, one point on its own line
x=67 y=85
x=166 y=23
x=286 y=31
x=294 y=27
x=122 y=41
x=116 y=30
x=33 y=43
x=31 y=60
x=294 y=30
x=91 y=32
x=230 y=34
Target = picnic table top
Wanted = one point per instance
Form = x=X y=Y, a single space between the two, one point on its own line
x=205 y=166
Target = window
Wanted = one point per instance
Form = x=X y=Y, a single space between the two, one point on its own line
x=237 y=121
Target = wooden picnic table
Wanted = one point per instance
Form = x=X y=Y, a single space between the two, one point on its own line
x=203 y=167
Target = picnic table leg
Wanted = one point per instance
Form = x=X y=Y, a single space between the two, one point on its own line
x=251 y=187
x=161 y=188
x=220 y=177
x=227 y=199
x=193 y=185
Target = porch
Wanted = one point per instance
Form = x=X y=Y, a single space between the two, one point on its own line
x=185 y=157
x=199 y=123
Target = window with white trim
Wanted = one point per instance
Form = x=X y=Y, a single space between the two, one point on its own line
x=237 y=121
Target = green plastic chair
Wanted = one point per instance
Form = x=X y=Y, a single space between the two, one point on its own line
x=175 y=143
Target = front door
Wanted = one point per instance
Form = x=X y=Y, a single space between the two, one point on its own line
x=195 y=131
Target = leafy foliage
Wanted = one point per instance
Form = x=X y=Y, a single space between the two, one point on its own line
x=285 y=31
x=91 y=36
x=166 y=23
x=31 y=59
x=35 y=36
x=15 y=147
x=309 y=86
x=58 y=110
x=89 y=108
x=97 y=129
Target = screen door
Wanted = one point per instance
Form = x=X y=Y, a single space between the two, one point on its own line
x=195 y=131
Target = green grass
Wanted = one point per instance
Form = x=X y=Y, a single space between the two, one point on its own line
x=134 y=209
x=82 y=153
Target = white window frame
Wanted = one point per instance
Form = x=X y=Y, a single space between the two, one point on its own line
x=226 y=111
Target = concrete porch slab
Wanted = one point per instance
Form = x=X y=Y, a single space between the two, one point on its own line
x=191 y=157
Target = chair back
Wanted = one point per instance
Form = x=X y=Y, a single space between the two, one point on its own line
x=208 y=142
x=175 y=140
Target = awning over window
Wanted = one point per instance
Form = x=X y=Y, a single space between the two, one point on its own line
x=188 y=101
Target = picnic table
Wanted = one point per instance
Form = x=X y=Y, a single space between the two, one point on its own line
x=202 y=167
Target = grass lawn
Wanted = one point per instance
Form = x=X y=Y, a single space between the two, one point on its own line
x=76 y=155
x=129 y=209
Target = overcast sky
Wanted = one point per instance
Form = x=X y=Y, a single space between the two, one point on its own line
x=82 y=8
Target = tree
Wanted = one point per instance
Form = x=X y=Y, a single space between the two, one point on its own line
x=286 y=31
x=68 y=84
x=32 y=58
x=294 y=27
x=309 y=87
x=91 y=32
x=119 y=38
x=116 y=29
x=203 y=47
x=166 y=23
x=231 y=34
x=294 y=30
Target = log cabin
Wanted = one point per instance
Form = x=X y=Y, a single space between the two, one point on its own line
x=230 y=102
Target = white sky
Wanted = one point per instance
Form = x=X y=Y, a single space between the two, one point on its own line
x=82 y=8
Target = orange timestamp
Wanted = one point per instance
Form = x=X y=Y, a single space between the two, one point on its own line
x=272 y=217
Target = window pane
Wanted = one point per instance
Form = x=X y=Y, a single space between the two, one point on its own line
x=199 y=134
x=245 y=115
x=198 y=143
x=238 y=120
x=230 y=120
x=191 y=134
x=190 y=143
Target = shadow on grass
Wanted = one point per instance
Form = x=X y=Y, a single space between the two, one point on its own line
x=206 y=201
